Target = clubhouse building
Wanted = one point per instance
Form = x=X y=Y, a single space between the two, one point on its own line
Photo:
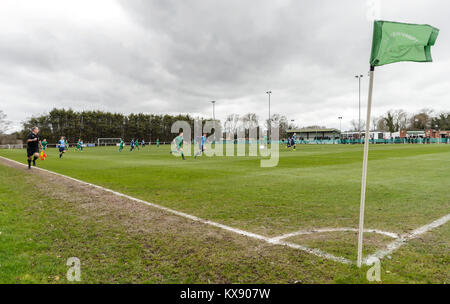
x=315 y=134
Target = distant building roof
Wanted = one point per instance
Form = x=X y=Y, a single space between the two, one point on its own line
x=415 y=132
x=313 y=131
x=362 y=132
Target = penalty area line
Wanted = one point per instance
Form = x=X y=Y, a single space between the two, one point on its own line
x=272 y=241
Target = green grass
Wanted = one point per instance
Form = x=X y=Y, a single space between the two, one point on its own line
x=315 y=186
x=44 y=223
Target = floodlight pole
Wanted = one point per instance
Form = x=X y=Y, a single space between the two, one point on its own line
x=214 y=117
x=340 y=127
x=269 y=124
x=364 y=171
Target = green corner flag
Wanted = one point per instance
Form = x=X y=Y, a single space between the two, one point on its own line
x=392 y=42
x=395 y=42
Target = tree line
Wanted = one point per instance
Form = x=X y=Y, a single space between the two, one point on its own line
x=396 y=120
x=91 y=125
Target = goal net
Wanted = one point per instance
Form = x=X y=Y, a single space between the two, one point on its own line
x=108 y=141
x=12 y=146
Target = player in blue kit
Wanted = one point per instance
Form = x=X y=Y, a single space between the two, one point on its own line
x=62 y=146
x=201 y=145
x=293 y=141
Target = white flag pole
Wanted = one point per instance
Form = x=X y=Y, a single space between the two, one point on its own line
x=364 y=171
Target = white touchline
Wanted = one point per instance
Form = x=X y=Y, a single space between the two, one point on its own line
x=316 y=252
x=394 y=245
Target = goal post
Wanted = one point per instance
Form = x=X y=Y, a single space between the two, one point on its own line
x=103 y=141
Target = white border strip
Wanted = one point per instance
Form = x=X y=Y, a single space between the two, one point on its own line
x=272 y=241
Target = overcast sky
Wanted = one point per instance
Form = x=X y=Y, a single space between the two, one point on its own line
x=176 y=56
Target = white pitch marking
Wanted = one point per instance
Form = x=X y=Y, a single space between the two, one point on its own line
x=322 y=230
x=316 y=252
x=391 y=247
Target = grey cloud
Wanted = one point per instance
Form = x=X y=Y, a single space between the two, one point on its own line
x=175 y=56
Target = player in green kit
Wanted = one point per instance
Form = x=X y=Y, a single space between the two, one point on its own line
x=137 y=144
x=80 y=145
x=121 y=145
x=179 y=145
x=44 y=144
x=157 y=143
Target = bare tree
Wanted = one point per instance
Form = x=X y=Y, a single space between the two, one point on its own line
x=401 y=118
x=374 y=124
x=355 y=126
x=381 y=124
x=250 y=120
x=231 y=124
x=421 y=120
x=4 y=124
x=393 y=121
x=282 y=123
x=293 y=126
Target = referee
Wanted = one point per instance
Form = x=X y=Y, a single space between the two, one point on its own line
x=33 y=144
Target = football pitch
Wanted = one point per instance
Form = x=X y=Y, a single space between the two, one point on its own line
x=311 y=199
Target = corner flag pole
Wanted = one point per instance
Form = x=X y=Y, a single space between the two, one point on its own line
x=392 y=42
x=364 y=170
